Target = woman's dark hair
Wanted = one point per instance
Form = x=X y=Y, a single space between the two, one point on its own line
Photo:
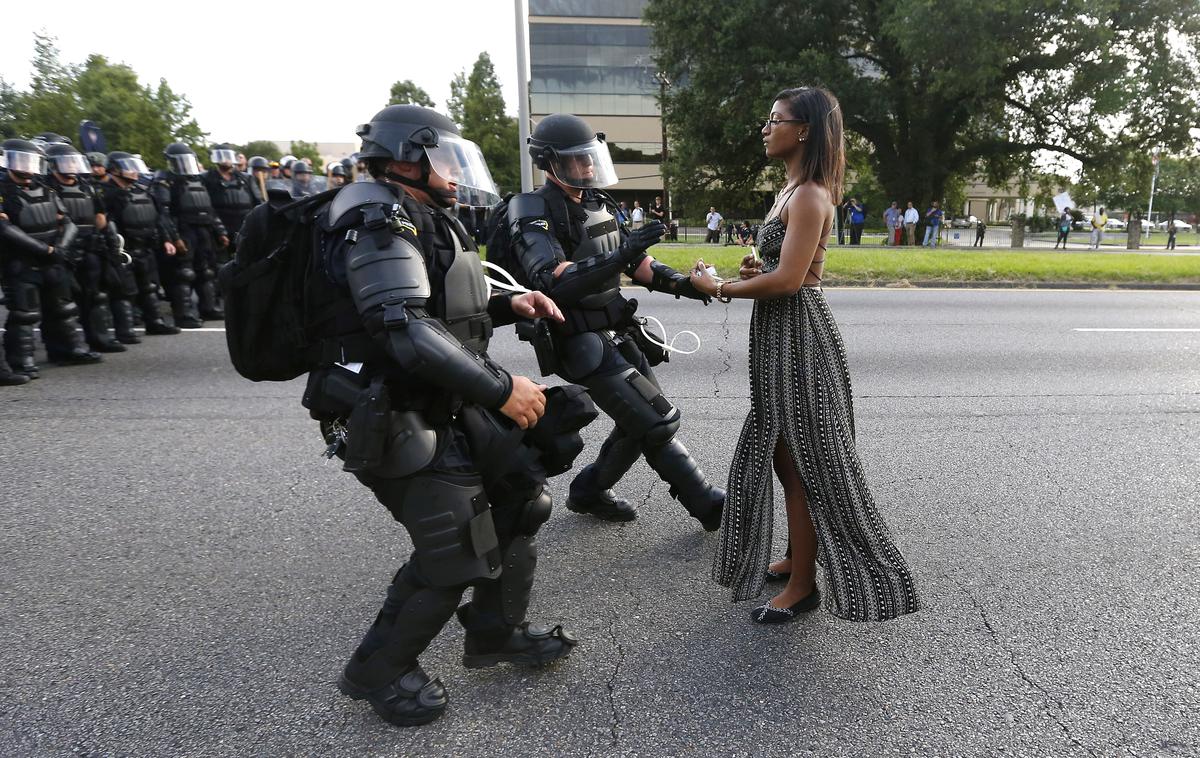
x=825 y=158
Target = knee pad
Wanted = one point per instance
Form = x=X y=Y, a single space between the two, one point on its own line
x=663 y=433
x=100 y=299
x=454 y=538
x=535 y=512
x=59 y=308
x=186 y=274
x=634 y=402
x=25 y=317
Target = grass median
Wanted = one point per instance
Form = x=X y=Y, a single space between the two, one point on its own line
x=886 y=265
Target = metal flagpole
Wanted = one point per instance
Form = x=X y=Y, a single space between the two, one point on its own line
x=523 y=95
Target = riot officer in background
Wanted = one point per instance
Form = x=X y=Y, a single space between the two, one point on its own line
x=570 y=246
x=260 y=174
x=35 y=234
x=181 y=193
x=95 y=256
x=97 y=161
x=231 y=191
x=147 y=230
x=337 y=175
x=303 y=183
x=403 y=296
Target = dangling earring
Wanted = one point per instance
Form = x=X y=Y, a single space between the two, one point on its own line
x=801 y=139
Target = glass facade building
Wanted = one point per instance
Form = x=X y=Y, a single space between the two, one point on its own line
x=594 y=58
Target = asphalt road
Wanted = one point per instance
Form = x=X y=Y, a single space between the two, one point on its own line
x=184 y=576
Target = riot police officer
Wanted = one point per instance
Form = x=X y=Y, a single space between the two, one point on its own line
x=147 y=230
x=435 y=427
x=302 y=179
x=260 y=174
x=570 y=246
x=231 y=191
x=97 y=161
x=36 y=233
x=181 y=193
x=95 y=256
x=337 y=175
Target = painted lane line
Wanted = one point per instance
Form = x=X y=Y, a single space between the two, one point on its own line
x=1139 y=329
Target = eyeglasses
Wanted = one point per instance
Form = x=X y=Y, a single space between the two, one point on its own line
x=771 y=123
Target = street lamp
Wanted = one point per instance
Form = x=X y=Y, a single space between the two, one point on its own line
x=663 y=83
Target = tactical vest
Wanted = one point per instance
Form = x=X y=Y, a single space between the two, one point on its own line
x=80 y=204
x=37 y=212
x=190 y=201
x=465 y=297
x=231 y=198
x=606 y=308
x=601 y=234
x=139 y=218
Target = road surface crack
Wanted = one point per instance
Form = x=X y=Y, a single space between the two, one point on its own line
x=723 y=351
x=1060 y=710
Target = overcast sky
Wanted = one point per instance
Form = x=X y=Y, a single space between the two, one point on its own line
x=277 y=71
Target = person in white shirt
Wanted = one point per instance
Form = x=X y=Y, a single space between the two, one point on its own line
x=637 y=216
x=713 y=221
x=911 y=217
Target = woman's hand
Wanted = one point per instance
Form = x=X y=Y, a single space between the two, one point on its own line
x=751 y=267
x=703 y=281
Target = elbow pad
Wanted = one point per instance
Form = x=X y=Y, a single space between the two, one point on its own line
x=586 y=277
x=67 y=234
x=666 y=279
x=424 y=347
x=533 y=241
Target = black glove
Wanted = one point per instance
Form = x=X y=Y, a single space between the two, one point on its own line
x=639 y=240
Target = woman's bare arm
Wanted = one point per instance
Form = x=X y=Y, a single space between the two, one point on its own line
x=804 y=215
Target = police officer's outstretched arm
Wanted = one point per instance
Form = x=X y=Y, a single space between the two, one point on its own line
x=390 y=286
x=546 y=266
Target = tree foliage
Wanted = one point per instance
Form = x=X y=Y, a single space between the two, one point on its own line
x=302 y=149
x=938 y=90
x=134 y=117
x=406 y=91
x=265 y=148
x=476 y=104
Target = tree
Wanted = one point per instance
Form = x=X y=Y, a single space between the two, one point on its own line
x=265 y=148
x=938 y=90
x=1178 y=190
x=476 y=104
x=302 y=149
x=134 y=117
x=407 y=92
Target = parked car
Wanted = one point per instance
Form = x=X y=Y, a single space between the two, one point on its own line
x=963 y=223
x=1115 y=224
x=1180 y=226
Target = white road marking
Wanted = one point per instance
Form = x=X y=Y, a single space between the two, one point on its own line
x=1138 y=329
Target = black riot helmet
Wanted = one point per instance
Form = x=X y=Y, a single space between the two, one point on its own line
x=51 y=138
x=126 y=166
x=24 y=158
x=567 y=148
x=258 y=162
x=414 y=134
x=223 y=155
x=300 y=167
x=337 y=169
x=97 y=158
x=181 y=159
x=65 y=159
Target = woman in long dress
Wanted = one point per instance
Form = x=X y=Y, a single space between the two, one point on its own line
x=801 y=419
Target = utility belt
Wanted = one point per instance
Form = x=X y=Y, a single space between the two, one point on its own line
x=617 y=316
x=201 y=218
x=609 y=310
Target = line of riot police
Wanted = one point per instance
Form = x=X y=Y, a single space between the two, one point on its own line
x=99 y=242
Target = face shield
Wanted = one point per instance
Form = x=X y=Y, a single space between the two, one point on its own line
x=185 y=164
x=25 y=163
x=131 y=168
x=461 y=161
x=223 y=157
x=583 y=166
x=71 y=164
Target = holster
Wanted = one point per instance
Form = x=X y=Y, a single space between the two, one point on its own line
x=368 y=424
x=539 y=334
x=655 y=353
x=331 y=393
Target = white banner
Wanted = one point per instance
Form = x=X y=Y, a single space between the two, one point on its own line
x=1063 y=201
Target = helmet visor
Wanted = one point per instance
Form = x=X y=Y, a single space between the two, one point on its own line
x=461 y=161
x=185 y=164
x=135 y=166
x=25 y=163
x=584 y=166
x=228 y=157
x=71 y=164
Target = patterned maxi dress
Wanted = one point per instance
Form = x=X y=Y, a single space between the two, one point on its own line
x=800 y=391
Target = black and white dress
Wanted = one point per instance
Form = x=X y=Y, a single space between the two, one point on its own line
x=800 y=391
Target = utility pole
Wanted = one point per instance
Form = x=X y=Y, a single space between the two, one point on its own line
x=1153 y=182
x=523 y=95
x=663 y=83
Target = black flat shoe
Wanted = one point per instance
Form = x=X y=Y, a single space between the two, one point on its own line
x=769 y=614
x=778 y=576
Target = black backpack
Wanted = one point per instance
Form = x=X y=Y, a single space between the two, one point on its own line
x=264 y=289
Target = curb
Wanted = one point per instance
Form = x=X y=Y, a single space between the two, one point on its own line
x=971 y=284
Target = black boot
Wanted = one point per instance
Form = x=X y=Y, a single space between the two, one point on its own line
x=122 y=313
x=19 y=344
x=677 y=468
x=210 y=304
x=183 y=308
x=98 y=325
x=591 y=491
x=8 y=378
x=488 y=643
x=411 y=699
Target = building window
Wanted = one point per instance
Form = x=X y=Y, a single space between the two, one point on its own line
x=588 y=8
